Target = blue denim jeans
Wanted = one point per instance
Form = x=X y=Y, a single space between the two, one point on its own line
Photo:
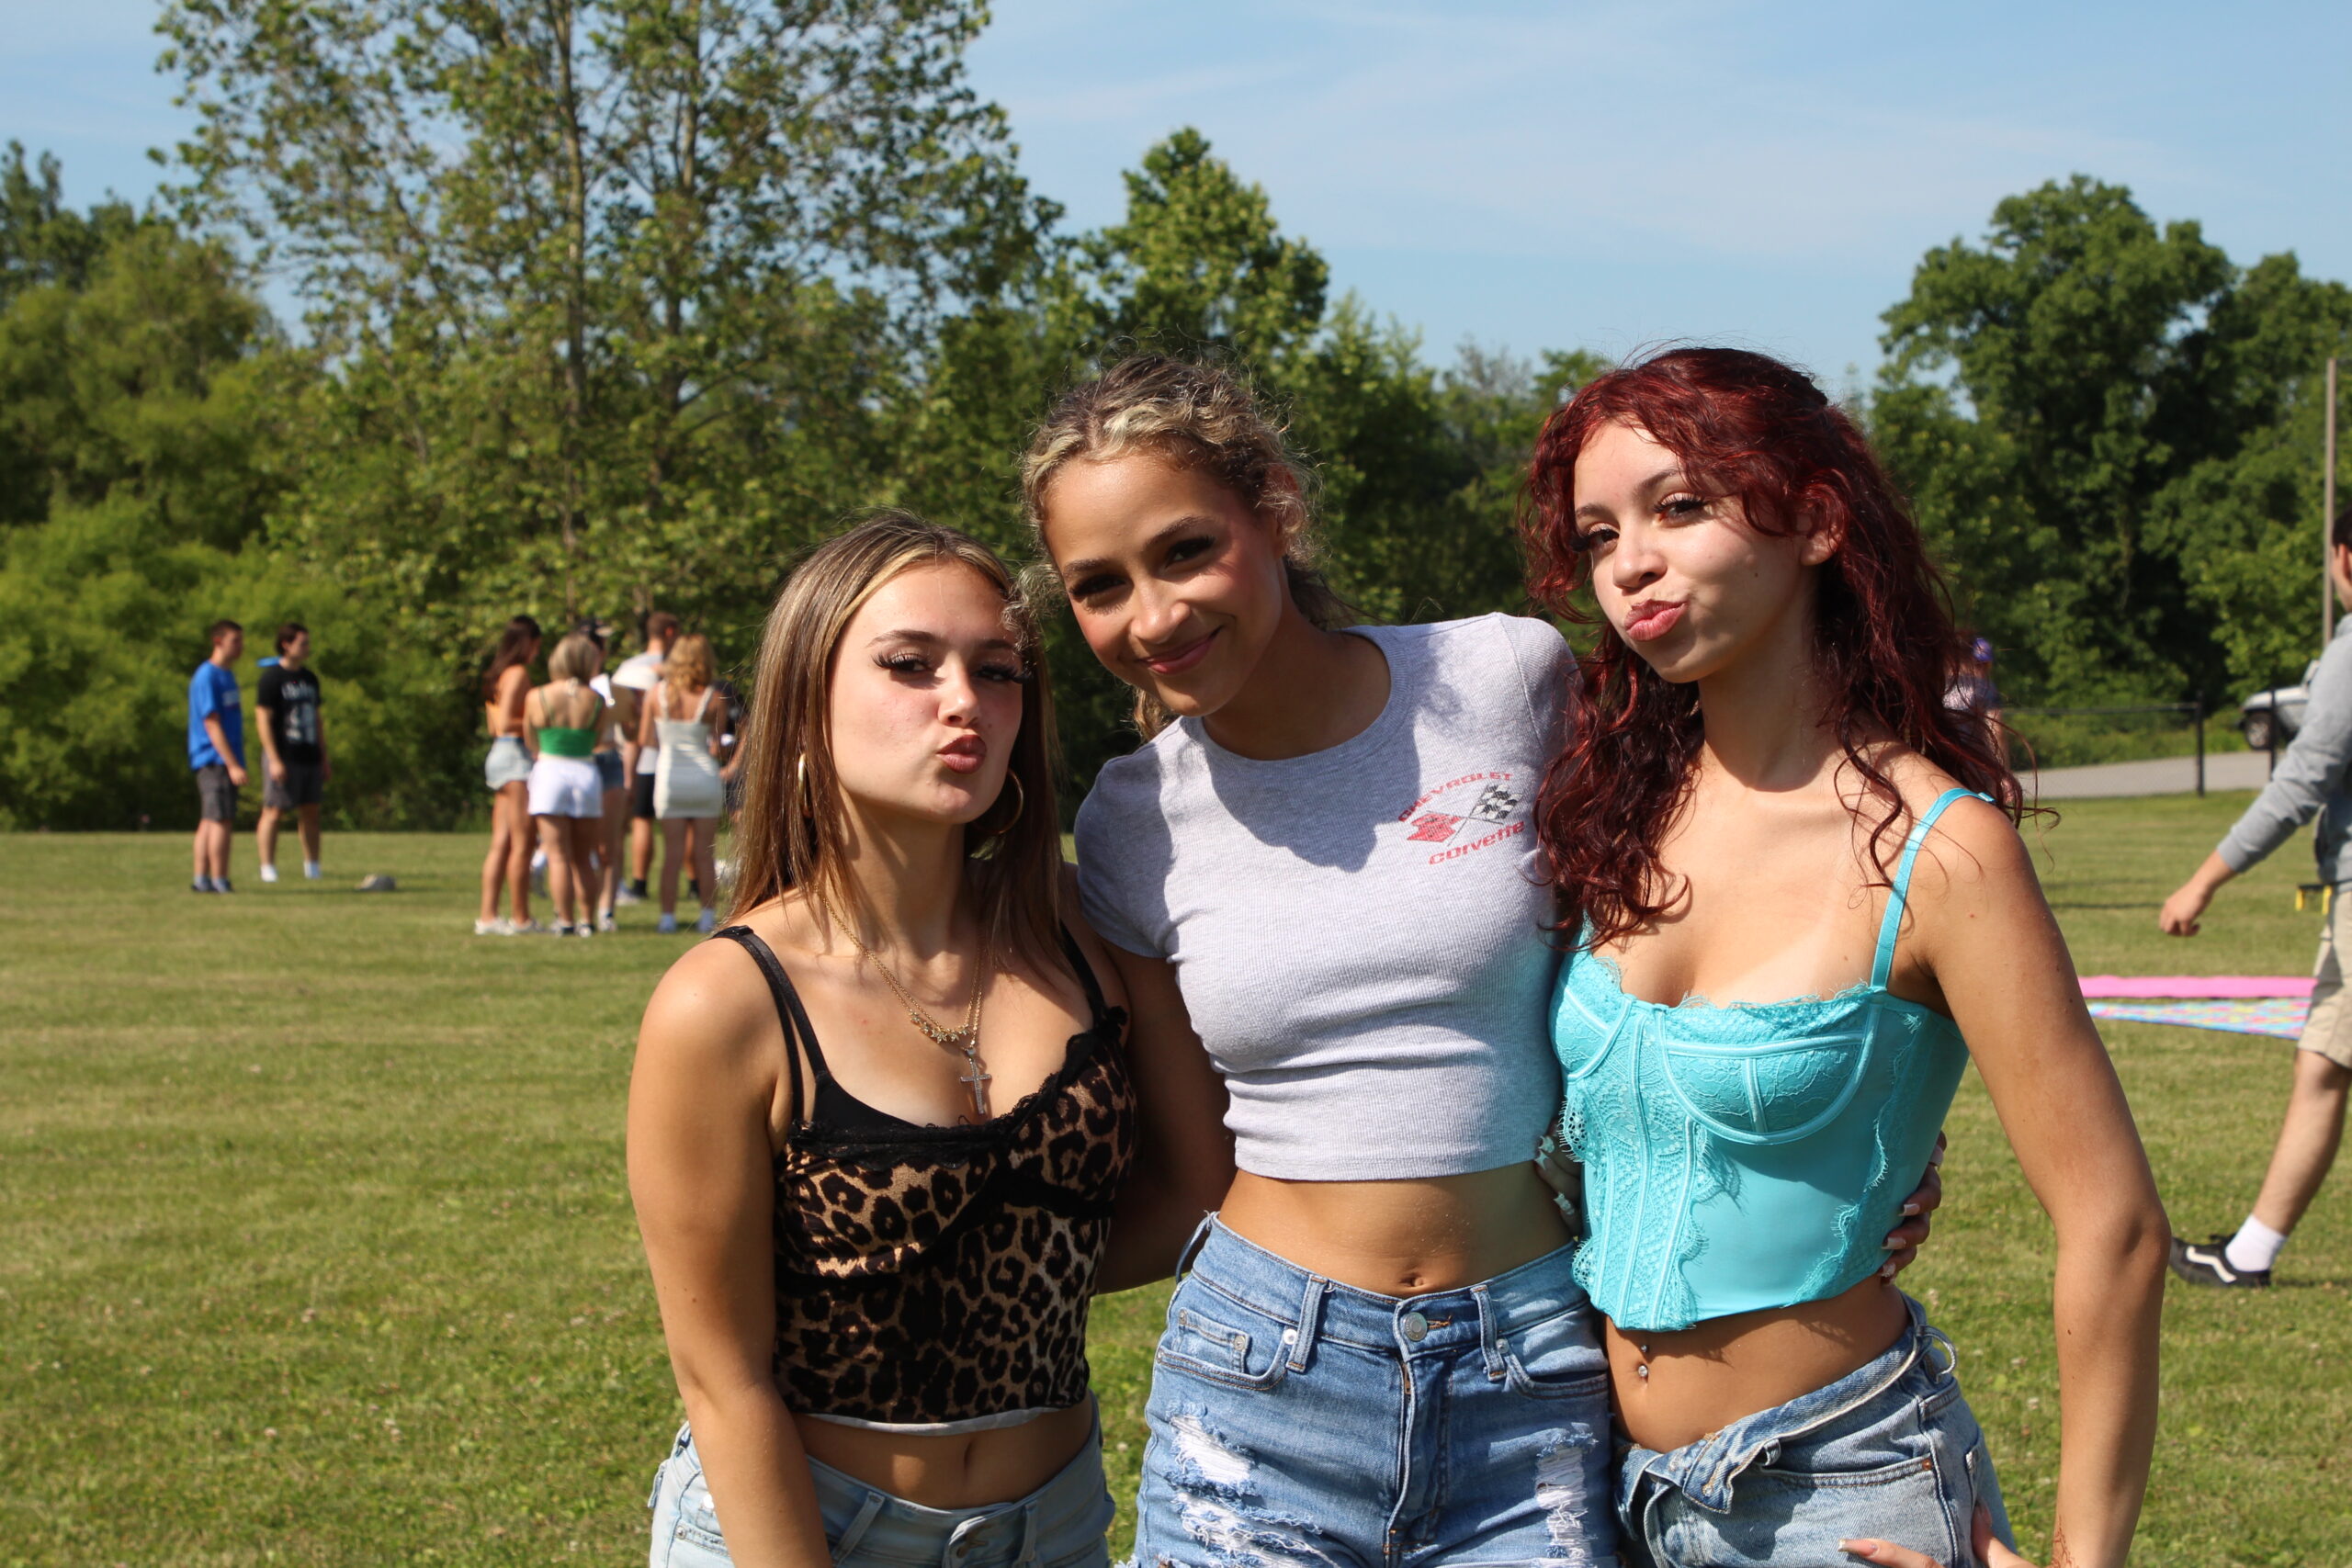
x=1294 y=1420
x=1890 y=1450
x=1060 y=1525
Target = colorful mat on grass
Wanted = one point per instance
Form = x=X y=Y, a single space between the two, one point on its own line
x=2281 y=1017
x=2235 y=987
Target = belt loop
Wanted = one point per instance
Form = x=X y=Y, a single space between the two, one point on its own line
x=1028 y=1557
x=1193 y=1247
x=1310 y=1320
x=856 y=1531
x=1491 y=1342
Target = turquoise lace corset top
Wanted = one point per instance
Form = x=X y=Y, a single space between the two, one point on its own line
x=1751 y=1155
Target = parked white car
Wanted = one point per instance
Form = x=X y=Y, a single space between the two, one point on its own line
x=2272 y=718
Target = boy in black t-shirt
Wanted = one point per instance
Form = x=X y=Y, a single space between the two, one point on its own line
x=294 y=749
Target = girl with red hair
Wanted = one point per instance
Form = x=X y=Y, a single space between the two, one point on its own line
x=1796 y=907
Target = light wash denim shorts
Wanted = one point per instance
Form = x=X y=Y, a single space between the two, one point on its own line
x=508 y=762
x=1060 y=1525
x=1890 y=1452
x=1296 y=1420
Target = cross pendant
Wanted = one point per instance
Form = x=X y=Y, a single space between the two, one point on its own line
x=975 y=1078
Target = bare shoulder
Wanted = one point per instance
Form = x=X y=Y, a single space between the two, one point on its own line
x=1096 y=951
x=711 y=1018
x=1974 y=851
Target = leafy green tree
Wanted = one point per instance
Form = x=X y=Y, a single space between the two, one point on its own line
x=138 y=393
x=2091 y=413
x=623 y=280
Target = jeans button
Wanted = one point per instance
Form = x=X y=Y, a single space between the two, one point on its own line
x=1416 y=1327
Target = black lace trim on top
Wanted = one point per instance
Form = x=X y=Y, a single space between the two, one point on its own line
x=828 y=1116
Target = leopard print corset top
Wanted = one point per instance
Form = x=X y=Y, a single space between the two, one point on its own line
x=938 y=1278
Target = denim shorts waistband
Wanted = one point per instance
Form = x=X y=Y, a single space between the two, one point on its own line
x=1704 y=1470
x=1433 y=1322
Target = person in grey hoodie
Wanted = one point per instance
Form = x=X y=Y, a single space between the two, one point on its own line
x=2313 y=779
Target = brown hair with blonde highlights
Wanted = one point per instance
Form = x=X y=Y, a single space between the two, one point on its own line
x=791 y=832
x=1194 y=416
x=688 y=667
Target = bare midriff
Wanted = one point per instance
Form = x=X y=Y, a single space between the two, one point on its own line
x=968 y=1470
x=1703 y=1378
x=1401 y=1238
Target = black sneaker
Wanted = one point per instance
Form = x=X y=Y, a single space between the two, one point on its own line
x=2208 y=1263
x=220 y=885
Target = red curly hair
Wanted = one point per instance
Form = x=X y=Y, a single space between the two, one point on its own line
x=1885 y=643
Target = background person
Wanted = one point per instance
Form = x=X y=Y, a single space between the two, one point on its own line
x=216 y=754
x=559 y=723
x=294 y=750
x=638 y=675
x=682 y=722
x=612 y=778
x=2313 y=779
x=506 y=773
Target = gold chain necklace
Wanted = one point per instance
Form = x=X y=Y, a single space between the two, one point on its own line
x=966 y=1039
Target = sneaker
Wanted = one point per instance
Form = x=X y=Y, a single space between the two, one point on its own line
x=606 y=924
x=524 y=928
x=667 y=925
x=311 y=871
x=628 y=895
x=562 y=927
x=201 y=884
x=585 y=928
x=220 y=885
x=2208 y=1263
x=707 y=921
x=492 y=928
x=269 y=873
x=693 y=888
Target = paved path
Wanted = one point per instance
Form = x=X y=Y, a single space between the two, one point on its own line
x=2167 y=775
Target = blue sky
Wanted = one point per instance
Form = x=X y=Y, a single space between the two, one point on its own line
x=1572 y=174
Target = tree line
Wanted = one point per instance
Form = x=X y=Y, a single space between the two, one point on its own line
x=616 y=305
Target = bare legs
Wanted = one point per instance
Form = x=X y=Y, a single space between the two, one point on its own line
x=608 y=848
x=570 y=844
x=674 y=850
x=2307 y=1141
x=306 y=825
x=509 y=861
x=212 y=849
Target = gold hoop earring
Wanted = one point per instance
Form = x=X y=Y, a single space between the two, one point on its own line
x=1020 y=804
x=800 y=795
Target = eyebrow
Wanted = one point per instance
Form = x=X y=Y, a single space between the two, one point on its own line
x=934 y=640
x=1594 y=509
x=1079 y=568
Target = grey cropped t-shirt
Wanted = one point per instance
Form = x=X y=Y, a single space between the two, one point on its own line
x=1357 y=932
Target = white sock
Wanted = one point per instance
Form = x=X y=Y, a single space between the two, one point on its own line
x=2255 y=1248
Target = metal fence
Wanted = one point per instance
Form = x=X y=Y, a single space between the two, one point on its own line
x=2075 y=745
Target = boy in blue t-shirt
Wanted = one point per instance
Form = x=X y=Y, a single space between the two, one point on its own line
x=216 y=751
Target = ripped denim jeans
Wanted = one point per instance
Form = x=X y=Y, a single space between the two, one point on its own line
x=1295 y=1422
x=1890 y=1450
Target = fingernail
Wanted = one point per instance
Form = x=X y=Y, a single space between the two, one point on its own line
x=1909 y=1210
x=1887 y=1272
x=1890 y=1244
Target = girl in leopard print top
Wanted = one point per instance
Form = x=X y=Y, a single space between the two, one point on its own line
x=874 y=1248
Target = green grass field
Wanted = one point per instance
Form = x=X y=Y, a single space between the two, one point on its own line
x=314 y=1247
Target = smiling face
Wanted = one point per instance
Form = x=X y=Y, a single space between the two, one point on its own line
x=1178 y=586
x=926 y=697
x=1682 y=576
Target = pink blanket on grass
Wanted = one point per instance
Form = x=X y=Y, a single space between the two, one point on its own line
x=2223 y=988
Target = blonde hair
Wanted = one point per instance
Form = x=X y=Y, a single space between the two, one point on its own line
x=1192 y=416
x=574 y=658
x=688 y=664
x=790 y=828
